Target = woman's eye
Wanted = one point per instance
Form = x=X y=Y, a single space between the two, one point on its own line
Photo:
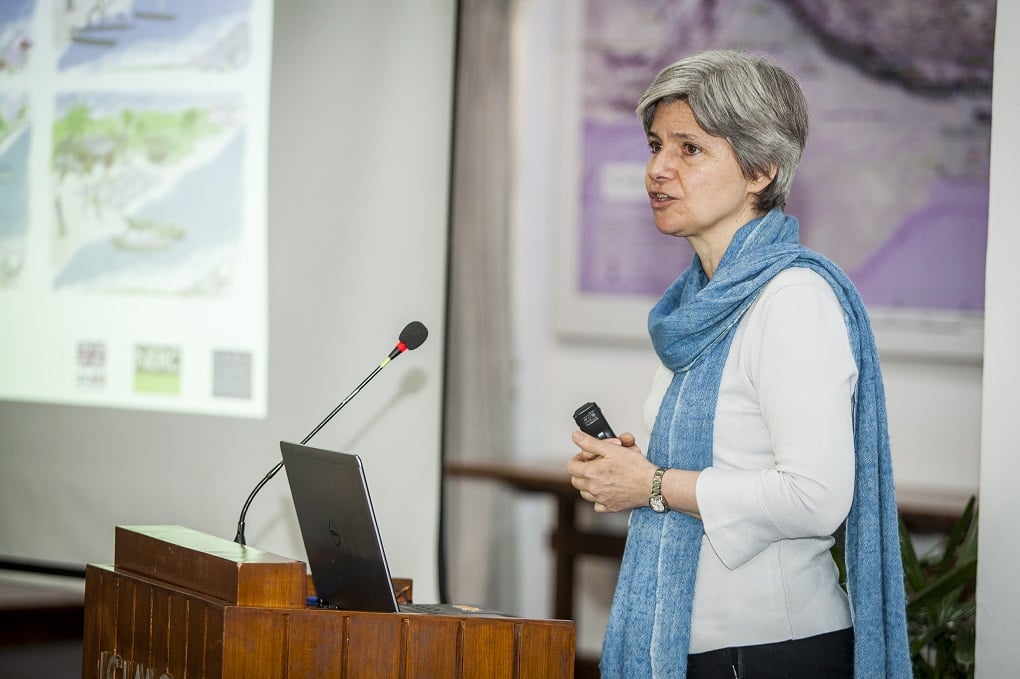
x=691 y=149
x=655 y=147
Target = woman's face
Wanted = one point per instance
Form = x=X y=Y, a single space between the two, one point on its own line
x=694 y=182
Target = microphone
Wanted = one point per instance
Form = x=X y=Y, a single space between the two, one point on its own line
x=412 y=336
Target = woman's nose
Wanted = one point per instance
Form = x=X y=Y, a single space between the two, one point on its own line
x=659 y=167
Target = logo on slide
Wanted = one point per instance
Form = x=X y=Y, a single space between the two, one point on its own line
x=157 y=369
x=91 y=365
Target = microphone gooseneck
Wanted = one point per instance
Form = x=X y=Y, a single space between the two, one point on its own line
x=411 y=337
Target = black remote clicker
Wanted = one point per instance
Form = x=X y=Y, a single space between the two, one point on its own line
x=591 y=421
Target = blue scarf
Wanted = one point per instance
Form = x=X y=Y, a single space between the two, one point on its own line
x=691 y=328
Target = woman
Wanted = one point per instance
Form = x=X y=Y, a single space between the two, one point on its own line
x=771 y=426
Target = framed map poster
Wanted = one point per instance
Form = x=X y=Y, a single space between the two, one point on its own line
x=893 y=185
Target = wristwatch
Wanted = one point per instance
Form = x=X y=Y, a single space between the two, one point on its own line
x=655 y=499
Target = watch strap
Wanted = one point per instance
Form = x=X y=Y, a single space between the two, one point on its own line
x=655 y=499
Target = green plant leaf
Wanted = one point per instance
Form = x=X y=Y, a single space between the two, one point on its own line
x=930 y=635
x=911 y=564
x=840 y=561
x=957 y=535
x=969 y=546
x=943 y=585
x=965 y=638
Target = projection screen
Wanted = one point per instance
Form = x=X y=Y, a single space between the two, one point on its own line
x=217 y=218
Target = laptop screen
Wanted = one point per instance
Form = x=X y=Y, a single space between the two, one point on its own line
x=339 y=529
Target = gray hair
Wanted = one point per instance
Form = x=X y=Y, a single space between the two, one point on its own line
x=750 y=102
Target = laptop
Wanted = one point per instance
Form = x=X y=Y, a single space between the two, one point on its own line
x=341 y=535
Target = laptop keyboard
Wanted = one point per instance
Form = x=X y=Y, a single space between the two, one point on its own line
x=447 y=609
x=430 y=609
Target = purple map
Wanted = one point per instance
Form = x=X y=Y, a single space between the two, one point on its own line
x=893 y=185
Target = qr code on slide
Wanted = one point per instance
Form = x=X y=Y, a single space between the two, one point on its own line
x=232 y=374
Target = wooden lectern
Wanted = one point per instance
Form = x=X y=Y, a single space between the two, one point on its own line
x=180 y=604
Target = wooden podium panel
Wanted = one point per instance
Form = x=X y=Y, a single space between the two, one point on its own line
x=394 y=646
x=220 y=568
x=191 y=623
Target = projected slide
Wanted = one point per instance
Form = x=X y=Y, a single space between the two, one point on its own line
x=133 y=144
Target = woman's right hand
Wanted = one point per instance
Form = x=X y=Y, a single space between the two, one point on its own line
x=612 y=474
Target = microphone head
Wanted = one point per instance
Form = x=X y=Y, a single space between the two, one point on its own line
x=413 y=335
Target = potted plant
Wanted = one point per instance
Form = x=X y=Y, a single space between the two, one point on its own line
x=940 y=587
x=941 y=609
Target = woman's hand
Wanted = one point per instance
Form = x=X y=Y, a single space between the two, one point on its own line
x=613 y=474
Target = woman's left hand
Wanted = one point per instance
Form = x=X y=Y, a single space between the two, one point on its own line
x=613 y=474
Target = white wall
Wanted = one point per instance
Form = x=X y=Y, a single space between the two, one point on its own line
x=360 y=122
x=934 y=406
x=998 y=596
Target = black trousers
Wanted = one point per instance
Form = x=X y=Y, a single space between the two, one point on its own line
x=827 y=655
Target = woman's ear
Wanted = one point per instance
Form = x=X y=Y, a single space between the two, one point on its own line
x=759 y=183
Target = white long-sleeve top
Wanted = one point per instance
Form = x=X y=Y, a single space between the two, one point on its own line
x=782 y=476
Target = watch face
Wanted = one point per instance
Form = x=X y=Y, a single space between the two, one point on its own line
x=657 y=504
